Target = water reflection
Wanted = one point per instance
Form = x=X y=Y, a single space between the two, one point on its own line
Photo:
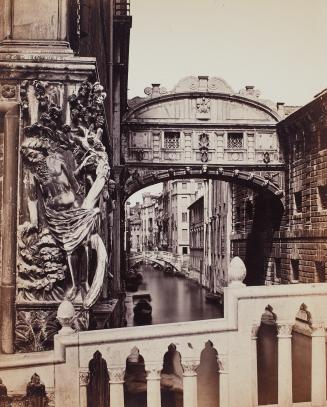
x=176 y=299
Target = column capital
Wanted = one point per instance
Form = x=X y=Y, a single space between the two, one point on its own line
x=254 y=330
x=318 y=329
x=84 y=377
x=284 y=329
x=190 y=367
x=223 y=363
x=116 y=375
x=153 y=372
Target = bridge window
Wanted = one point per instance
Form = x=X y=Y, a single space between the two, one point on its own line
x=322 y=190
x=235 y=140
x=171 y=140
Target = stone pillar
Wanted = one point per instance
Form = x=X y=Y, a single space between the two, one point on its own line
x=190 y=390
x=223 y=380
x=117 y=237
x=116 y=376
x=318 y=366
x=284 y=336
x=153 y=385
x=9 y=225
x=83 y=382
x=254 y=363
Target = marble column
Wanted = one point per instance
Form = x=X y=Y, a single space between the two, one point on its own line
x=190 y=388
x=318 y=366
x=254 y=364
x=284 y=336
x=223 y=380
x=153 y=375
x=9 y=225
x=116 y=383
x=83 y=382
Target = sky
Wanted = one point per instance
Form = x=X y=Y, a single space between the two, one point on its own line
x=279 y=46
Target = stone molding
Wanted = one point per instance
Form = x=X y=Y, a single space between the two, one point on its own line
x=223 y=364
x=318 y=329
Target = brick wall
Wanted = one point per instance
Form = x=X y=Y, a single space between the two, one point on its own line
x=297 y=250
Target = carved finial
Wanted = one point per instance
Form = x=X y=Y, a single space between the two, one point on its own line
x=236 y=272
x=65 y=316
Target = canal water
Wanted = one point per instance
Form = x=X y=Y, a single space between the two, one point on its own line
x=174 y=299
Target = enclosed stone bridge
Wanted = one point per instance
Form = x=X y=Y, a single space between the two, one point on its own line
x=202 y=129
x=176 y=262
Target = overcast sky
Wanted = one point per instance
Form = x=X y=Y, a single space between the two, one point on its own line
x=280 y=46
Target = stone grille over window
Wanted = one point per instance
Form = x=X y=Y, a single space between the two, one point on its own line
x=171 y=140
x=320 y=271
x=235 y=140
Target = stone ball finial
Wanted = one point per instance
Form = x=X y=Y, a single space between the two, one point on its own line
x=236 y=272
x=65 y=316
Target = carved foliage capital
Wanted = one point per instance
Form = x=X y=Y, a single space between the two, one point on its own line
x=285 y=330
x=84 y=377
x=190 y=367
x=153 y=372
x=116 y=374
x=318 y=329
x=223 y=363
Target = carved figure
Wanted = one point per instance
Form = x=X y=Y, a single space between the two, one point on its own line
x=68 y=170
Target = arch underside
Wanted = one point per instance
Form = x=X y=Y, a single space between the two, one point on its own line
x=270 y=181
x=161 y=263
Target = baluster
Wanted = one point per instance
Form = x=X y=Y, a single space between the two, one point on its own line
x=153 y=385
x=190 y=390
x=84 y=377
x=254 y=359
x=116 y=385
x=285 y=394
x=318 y=365
x=223 y=380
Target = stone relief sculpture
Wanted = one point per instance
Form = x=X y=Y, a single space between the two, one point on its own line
x=67 y=173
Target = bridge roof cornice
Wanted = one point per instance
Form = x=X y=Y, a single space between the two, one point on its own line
x=146 y=102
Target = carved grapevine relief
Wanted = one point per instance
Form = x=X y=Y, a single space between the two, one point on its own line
x=66 y=172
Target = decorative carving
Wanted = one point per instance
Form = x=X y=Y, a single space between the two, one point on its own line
x=84 y=377
x=189 y=367
x=204 y=146
x=52 y=399
x=65 y=315
x=116 y=374
x=35 y=330
x=203 y=108
x=35 y=393
x=68 y=170
x=153 y=372
x=223 y=363
x=318 y=329
x=8 y=91
x=285 y=330
x=254 y=331
x=23 y=97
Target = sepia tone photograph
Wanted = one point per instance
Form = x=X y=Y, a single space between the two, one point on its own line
x=163 y=216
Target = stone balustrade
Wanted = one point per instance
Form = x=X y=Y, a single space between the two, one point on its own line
x=66 y=369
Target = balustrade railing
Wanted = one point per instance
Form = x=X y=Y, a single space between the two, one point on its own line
x=234 y=337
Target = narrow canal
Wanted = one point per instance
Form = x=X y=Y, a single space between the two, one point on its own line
x=173 y=299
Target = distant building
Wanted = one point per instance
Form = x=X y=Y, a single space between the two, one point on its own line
x=196 y=225
x=177 y=196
